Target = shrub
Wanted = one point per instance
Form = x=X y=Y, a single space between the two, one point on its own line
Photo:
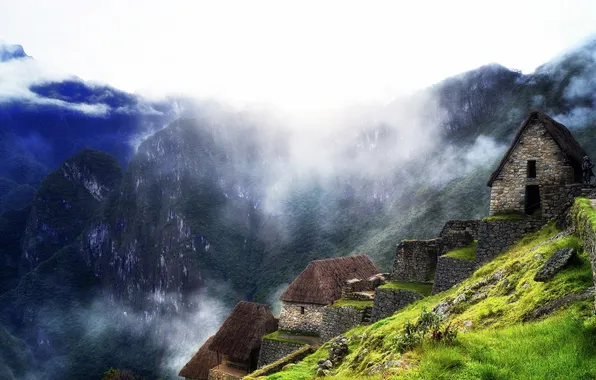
x=429 y=325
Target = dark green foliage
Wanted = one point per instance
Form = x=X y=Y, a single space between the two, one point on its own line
x=428 y=326
x=12 y=229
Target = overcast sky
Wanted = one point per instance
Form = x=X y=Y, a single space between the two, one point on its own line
x=298 y=55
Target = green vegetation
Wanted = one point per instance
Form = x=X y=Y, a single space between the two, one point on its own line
x=557 y=348
x=498 y=336
x=424 y=288
x=286 y=359
x=276 y=336
x=467 y=253
x=583 y=208
x=357 y=304
x=507 y=216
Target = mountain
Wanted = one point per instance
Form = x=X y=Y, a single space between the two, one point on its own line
x=222 y=207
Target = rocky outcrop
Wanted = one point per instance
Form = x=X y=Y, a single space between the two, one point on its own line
x=66 y=199
x=554 y=264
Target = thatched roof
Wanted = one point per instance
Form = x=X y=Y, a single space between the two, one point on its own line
x=198 y=367
x=564 y=139
x=322 y=280
x=242 y=331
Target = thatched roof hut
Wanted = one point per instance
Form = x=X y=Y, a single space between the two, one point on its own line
x=242 y=331
x=198 y=367
x=321 y=282
x=564 y=139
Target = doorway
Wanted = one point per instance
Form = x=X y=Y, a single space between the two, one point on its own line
x=532 y=199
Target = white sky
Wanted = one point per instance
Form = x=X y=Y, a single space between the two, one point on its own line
x=300 y=55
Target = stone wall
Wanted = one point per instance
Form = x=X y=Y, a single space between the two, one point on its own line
x=454 y=240
x=388 y=301
x=416 y=260
x=273 y=350
x=586 y=230
x=557 y=199
x=450 y=272
x=278 y=365
x=470 y=226
x=338 y=320
x=494 y=236
x=552 y=169
x=292 y=319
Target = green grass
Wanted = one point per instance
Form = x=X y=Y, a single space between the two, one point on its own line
x=357 y=304
x=499 y=344
x=557 y=348
x=276 y=336
x=467 y=253
x=424 y=288
x=508 y=216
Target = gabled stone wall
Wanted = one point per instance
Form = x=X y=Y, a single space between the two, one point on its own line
x=292 y=319
x=552 y=169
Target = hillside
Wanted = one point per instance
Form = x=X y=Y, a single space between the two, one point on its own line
x=508 y=326
x=217 y=208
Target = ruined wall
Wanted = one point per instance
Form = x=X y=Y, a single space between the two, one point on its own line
x=273 y=350
x=291 y=318
x=450 y=272
x=454 y=240
x=552 y=168
x=586 y=230
x=338 y=320
x=415 y=260
x=494 y=236
x=388 y=301
x=469 y=226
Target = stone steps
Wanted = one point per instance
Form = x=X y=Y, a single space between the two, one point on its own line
x=367 y=316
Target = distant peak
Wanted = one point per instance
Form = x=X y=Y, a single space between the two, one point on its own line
x=9 y=52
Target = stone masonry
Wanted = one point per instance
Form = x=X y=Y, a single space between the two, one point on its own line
x=552 y=169
x=292 y=318
x=337 y=320
x=450 y=272
x=388 y=301
x=416 y=260
x=494 y=236
x=469 y=226
x=273 y=350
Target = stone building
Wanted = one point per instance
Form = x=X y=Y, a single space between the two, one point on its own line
x=535 y=174
x=319 y=285
x=235 y=346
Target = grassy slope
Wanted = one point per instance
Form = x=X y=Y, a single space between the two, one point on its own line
x=424 y=288
x=494 y=343
x=466 y=253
